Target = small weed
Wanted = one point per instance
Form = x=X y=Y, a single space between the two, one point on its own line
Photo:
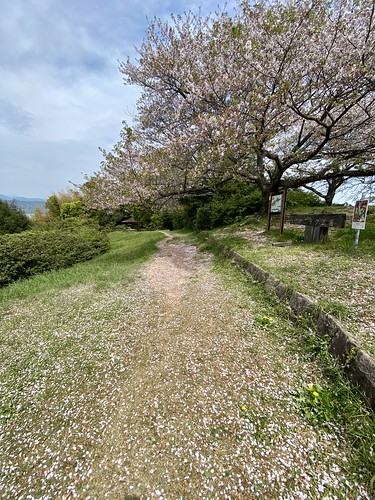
x=351 y=356
x=6 y=411
x=317 y=404
x=340 y=402
x=294 y=235
x=334 y=404
x=265 y=321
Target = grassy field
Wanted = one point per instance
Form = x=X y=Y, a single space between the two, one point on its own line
x=66 y=358
x=57 y=370
x=338 y=277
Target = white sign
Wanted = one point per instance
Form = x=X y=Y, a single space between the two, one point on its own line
x=359 y=214
x=276 y=203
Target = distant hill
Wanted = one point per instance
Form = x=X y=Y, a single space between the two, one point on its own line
x=26 y=204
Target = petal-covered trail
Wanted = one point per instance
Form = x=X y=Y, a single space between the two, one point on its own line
x=180 y=383
x=205 y=407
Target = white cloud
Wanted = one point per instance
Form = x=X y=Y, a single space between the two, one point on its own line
x=14 y=118
x=61 y=93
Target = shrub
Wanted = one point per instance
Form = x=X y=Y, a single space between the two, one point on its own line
x=167 y=220
x=179 y=219
x=72 y=209
x=53 y=207
x=299 y=197
x=203 y=218
x=12 y=218
x=32 y=252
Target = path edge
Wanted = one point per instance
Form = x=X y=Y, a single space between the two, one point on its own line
x=357 y=363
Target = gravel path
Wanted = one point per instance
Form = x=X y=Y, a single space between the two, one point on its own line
x=205 y=407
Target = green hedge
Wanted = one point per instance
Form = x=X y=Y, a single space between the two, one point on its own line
x=25 y=254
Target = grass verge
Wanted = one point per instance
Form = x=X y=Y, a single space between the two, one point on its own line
x=58 y=366
x=128 y=252
x=331 y=404
x=337 y=277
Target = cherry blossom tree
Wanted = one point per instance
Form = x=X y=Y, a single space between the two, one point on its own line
x=327 y=189
x=282 y=94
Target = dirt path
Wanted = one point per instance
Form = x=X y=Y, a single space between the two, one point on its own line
x=207 y=401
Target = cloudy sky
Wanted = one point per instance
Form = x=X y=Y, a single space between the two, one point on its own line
x=61 y=94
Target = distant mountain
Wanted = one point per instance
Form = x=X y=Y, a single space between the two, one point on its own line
x=26 y=204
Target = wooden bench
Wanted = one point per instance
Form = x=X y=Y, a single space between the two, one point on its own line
x=316 y=225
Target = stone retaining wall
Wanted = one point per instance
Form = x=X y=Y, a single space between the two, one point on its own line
x=359 y=366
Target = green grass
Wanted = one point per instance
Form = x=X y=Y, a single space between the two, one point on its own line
x=336 y=275
x=128 y=252
x=340 y=241
x=64 y=347
x=339 y=403
x=66 y=338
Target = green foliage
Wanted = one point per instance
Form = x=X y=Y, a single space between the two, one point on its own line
x=167 y=220
x=179 y=219
x=317 y=404
x=72 y=209
x=233 y=202
x=203 y=218
x=157 y=221
x=191 y=206
x=230 y=203
x=339 y=402
x=173 y=219
x=299 y=197
x=53 y=207
x=110 y=219
x=142 y=215
x=295 y=235
x=56 y=202
x=39 y=216
x=119 y=265
x=342 y=240
x=335 y=308
x=12 y=218
x=33 y=252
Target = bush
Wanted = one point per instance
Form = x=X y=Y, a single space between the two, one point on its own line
x=203 y=218
x=299 y=197
x=12 y=218
x=72 y=209
x=230 y=203
x=227 y=210
x=156 y=222
x=167 y=220
x=32 y=252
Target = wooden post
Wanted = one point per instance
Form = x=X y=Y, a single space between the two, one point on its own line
x=269 y=213
x=282 y=216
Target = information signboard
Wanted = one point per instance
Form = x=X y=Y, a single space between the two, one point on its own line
x=359 y=214
x=276 y=204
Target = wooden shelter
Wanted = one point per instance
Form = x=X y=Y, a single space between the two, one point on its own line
x=131 y=224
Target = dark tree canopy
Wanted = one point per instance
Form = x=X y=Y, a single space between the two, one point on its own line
x=12 y=218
